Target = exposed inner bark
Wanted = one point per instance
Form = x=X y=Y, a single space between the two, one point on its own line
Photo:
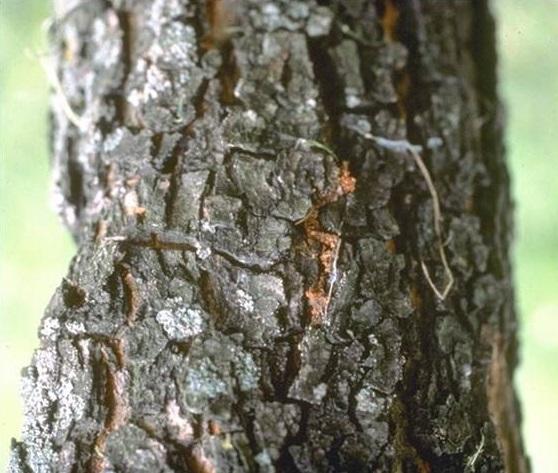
x=249 y=292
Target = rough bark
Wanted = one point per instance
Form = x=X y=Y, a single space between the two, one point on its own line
x=249 y=293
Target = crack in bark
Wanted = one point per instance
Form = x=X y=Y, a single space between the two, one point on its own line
x=391 y=14
x=221 y=17
x=285 y=461
x=173 y=166
x=330 y=88
x=132 y=293
x=127 y=21
x=408 y=457
x=502 y=404
x=116 y=403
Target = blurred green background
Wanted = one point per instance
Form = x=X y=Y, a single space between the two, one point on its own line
x=35 y=250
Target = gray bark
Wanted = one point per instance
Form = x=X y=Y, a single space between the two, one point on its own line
x=250 y=292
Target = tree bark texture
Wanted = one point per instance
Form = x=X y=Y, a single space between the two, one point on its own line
x=255 y=284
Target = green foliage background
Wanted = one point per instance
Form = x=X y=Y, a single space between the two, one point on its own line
x=35 y=250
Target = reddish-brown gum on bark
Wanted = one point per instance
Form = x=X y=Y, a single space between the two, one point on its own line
x=325 y=245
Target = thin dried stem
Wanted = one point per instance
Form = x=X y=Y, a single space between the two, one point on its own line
x=50 y=71
x=414 y=152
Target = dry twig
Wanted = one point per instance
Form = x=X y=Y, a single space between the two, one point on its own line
x=414 y=152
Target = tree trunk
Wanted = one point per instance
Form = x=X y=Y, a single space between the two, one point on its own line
x=271 y=200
